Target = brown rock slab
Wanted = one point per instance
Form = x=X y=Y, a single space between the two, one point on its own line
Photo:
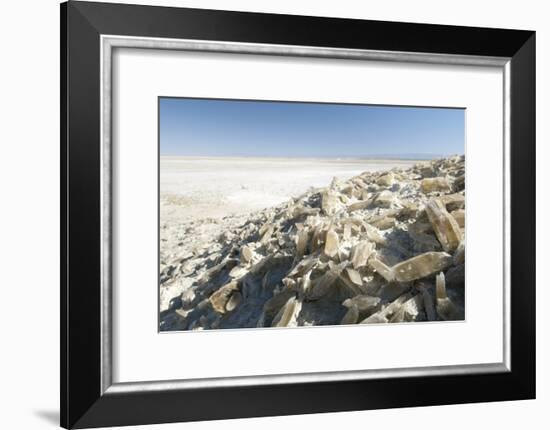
x=321 y=286
x=288 y=314
x=429 y=185
x=246 y=254
x=386 y=180
x=453 y=201
x=443 y=305
x=329 y=202
x=379 y=267
x=444 y=225
x=234 y=301
x=458 y=215
x=351 y=316
x=219 y=298
x=361 y=253
x=421 y=266
x=331 y=243
x=273 y=305
x=384 y=199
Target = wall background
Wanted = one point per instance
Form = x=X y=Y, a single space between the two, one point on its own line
x=29 y=213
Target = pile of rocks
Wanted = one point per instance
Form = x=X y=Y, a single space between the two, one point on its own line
x=381 y=247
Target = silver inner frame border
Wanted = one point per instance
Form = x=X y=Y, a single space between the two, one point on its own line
x=109 y=42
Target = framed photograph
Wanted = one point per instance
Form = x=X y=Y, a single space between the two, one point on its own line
x=270 y=214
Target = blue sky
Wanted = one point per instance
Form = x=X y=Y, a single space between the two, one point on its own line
x=206 y=127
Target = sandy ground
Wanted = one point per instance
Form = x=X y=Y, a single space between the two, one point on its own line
x=198 y=188
x=200 y=198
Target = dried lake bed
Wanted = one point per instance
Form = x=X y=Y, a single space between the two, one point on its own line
x=193 y=188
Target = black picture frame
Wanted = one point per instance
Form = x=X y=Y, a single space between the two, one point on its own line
x=83 y=402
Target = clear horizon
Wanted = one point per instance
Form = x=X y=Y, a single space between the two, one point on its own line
x=242 y=128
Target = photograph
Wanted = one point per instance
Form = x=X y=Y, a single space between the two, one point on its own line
x=264 y=205
x=293 y=214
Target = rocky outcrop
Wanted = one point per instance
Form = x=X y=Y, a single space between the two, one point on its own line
x=381 y=247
